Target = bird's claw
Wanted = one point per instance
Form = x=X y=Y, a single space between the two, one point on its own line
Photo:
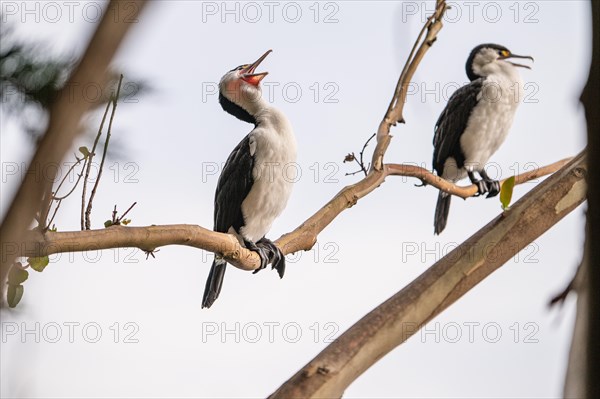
x=481 y=187
x=262 y=253
x=264 y=259
x=276 y=257
x=493 y=188
x=268 y=253
x=278 y=262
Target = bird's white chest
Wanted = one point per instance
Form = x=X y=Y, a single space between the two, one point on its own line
x=274 y=173
x=491 y=119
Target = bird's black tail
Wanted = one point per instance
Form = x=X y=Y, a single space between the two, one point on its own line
x=441 y=212
x=214 y=283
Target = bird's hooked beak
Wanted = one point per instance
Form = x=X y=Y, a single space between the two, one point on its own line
x=508 y=54
x=248 y=74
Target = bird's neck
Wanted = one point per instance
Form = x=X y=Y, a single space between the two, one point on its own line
x=271 y=118
x=505 y=84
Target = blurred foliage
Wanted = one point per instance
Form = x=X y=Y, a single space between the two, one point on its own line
x=30 y=80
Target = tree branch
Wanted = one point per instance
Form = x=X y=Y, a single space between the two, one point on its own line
x=146 y=238
x=302 y=238
x=394 y=112
x=394 y=321
x=465 y=192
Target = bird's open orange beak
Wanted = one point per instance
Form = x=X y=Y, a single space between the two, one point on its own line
x=511 y=55
x=248 y=74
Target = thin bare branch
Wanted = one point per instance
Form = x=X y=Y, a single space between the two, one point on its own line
x=465 y=192
x=89 y=167
x=114 y=100
x=62 y=197
x=361 y=160
x=58 y=202
x=59 y=199
x=120 y=218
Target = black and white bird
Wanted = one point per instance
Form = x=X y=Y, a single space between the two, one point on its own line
x=476 y=121
x=253 y=188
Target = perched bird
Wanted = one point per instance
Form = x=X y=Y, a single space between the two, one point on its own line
x=253 y=189
x=476 y=121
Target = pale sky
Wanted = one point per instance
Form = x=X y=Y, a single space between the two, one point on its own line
x=333 y=70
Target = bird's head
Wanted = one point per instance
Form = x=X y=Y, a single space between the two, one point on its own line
x=239 y=90
x=486 y=59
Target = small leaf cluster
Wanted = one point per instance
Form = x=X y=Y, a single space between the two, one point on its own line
x=18 y=274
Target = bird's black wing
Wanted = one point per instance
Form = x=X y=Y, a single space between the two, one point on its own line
x=234 y=185
x=452 y=123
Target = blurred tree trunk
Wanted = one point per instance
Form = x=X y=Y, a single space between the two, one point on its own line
x=591 y=99
x=584 y=358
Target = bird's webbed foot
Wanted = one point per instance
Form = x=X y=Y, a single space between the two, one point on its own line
x=482 y=187
x=493 y=186
x=262 y=253
x=485 y=185
x=276 y=257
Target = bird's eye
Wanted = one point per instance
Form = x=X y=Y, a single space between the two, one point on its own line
x=505 y=53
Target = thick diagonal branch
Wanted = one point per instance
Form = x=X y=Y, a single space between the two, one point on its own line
x=394 y=321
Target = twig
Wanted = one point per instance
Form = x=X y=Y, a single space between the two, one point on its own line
x=79 y=176
x=53 y=215
x=114 y=215
x=89 y=166
x=118 y=221
x=151 y=252
x=58 y=200
x=352 y=158
x=88 y=211
x=52 y=197
x=361 y=163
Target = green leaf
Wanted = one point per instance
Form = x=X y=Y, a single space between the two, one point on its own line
x=16 y=275
x=108 y=223
x=38 y=264
x=506 y=192
x=84 y=150
x=125 y=222
x=14 y=295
